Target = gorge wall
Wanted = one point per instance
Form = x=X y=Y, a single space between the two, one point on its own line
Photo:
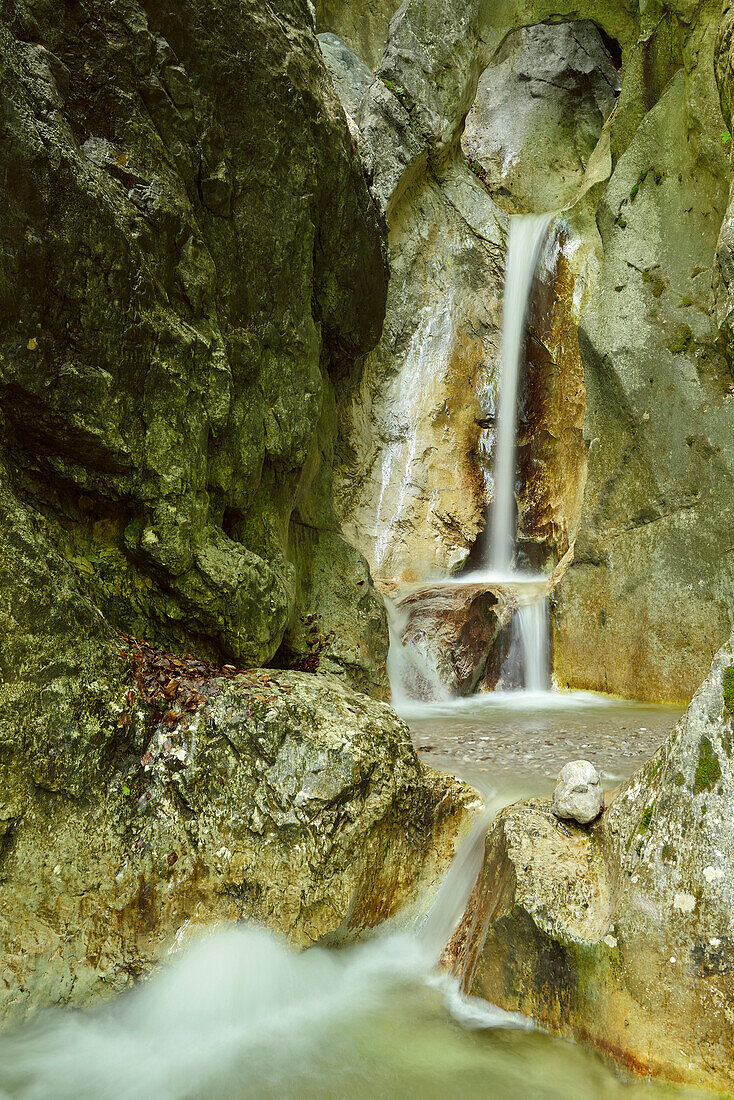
x=624 y=440
x=191 y=270
x=170 y=344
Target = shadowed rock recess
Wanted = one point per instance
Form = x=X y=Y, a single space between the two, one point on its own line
x=191 y=267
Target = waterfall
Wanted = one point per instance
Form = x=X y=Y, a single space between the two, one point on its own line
x=532 y=620
x=527 y=232
x=417 y=662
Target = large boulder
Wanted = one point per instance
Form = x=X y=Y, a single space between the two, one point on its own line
x=190 y=265
x=621 y=933
x=210 y=796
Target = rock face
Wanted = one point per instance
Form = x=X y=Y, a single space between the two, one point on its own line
x=411 y=486
x=649 y=596
x=283 y=798
x=621 y=934
x=190 y=266
x=538 y=113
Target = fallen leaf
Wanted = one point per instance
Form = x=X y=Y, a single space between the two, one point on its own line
x=32 y=344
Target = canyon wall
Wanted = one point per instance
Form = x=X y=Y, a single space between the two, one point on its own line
x=191 y=268
x=624 y=426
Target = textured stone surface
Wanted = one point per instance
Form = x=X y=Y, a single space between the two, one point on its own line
x=648 y=598
x=351 y=76
x=285 y=798
x=363 y=26
x=538 y=113
x=621 y=934
x=189 y=265
x=578 y=795
x=411 y=478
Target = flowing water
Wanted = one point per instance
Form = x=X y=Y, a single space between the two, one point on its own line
x=527 y=233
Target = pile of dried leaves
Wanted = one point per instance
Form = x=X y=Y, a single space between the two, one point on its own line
x=176 y=686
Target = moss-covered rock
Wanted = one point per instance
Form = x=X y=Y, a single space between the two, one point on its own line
x=206 y=796
x=190 y=263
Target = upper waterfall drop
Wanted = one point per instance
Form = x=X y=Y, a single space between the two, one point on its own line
x=527 y=233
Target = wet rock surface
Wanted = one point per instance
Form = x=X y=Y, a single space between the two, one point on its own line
x=620 y=934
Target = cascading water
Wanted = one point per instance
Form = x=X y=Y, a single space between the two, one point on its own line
x=417 y=663
x=527 y=233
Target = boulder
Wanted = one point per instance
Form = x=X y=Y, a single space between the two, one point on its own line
x=578 y=795
x=620 y=933
x=277 y=797
x=538 y=113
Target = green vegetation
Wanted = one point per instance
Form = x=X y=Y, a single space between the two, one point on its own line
x=655 y=281
x=708 y=769
x=727 y=689
x=681 y=341
x=391 y=86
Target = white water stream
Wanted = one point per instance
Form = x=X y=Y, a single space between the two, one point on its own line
x=527 y=233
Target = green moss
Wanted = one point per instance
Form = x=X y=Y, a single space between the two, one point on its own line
x=681 y=341
x=667 y=851
x=708 y=769
x=655 y=281
x=391 y=86
x=727 y=689
x=678 y=779
x=646 y=819
x=636 y=188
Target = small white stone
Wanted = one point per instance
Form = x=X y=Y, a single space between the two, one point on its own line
x=711 y=873
x=57 y=869
x=715 y=941
x=610 y=941
x=578 y=795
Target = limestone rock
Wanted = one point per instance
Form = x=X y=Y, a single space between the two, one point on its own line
x=282 y=798
x=363 y=26
x=412 y=477
x=191 y=264
x=647 y=600
x=351 y=76
x=621 y=934
x=538 y=113
x=578 y=794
